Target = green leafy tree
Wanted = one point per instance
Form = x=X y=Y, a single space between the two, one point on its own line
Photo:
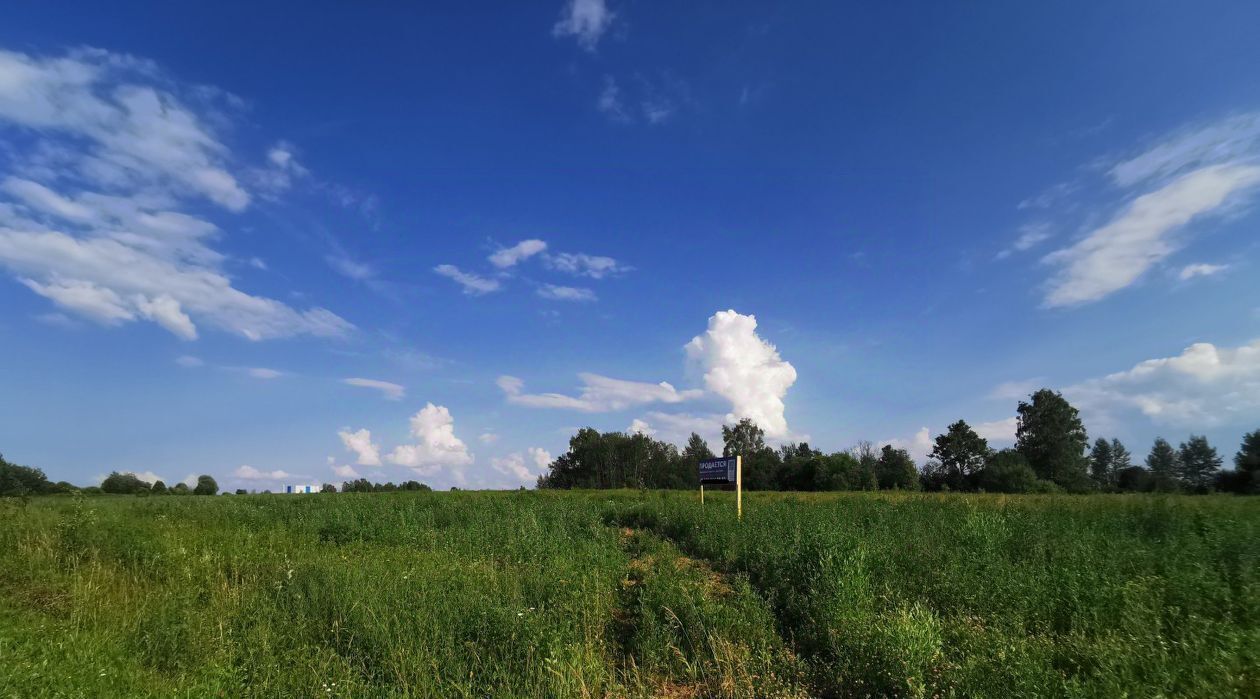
x=868 y=461
x=961 y=453
x=1101 y=462
x=159 y=488
x=1164 y=466
x=1134 y=479
x=18 y=480
x=838 y=471
x=1199 y=464
x=242 y=491
x=895 y=469
x=1053 y=439
x=123 y=484
x=743 y=438
x=328 y=488
x=760 y=463
x=180 y=489
x=1007 y=471
x=206 y=485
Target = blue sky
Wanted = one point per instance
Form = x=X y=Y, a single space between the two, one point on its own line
x=294 y=244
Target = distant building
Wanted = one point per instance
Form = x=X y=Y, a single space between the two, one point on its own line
x=295 y=489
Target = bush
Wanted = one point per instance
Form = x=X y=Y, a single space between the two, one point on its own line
x=1135 y=479
x=1007 y=471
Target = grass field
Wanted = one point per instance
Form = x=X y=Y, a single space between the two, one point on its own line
x=549 y=594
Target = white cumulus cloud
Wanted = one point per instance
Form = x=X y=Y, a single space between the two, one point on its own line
x=436 y=447
x=1204 y=386
x=360 y=442
x=745 y=369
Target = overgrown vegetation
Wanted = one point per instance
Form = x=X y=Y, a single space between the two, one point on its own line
x=630 y=594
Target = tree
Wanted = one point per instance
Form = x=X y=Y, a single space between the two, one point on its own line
x=180 y=489
x=1101 y=462
x=328 y=488
x=867 y=460
x=743 y=439
x=1007 y=471
x=205 y=486
x=123 y=484
x=159 y=488
x=1199 y=463
x=1163 y=464
x=837 y=471
x=1053 y=439
x=1245 y=478
x=242 y=491
x=961 y=453
x=760 y=462
x=22 y=480
x=697 y=450
x=1134 y=479
x=895 y=469
x=1248 y=457
x=1120 y=458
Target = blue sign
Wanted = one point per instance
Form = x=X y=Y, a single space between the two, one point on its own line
x=720 y=470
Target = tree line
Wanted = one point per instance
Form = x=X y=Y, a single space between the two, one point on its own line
x=25 y=481
x=1052 y=453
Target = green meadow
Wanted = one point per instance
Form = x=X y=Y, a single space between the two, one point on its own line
x=630 y=594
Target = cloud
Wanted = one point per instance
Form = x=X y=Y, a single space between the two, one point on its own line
x=104 y=156
x=918 y=446
x=998 y=431
x=515 y=464
x=638 y=426
x=583 y=265
x=610 y=103
x=745 y=369
x=599 y=394
x=510 y=257
x=1030 y=235
x=189 y=361
x=584 y=20
x=264 y=373
x=345 y=471
x=249 y=473
x=1115 y=255
x=146 y=476
x=438 y=446
x=676 y=428
x=360 y=442
x=487 y=438
x=1200 y=270
x=1230 y=140
x=1204 y=386
x=473 y=285
x=391 y=391
x=553 y=292
x=1016 y=390
x=347 y=267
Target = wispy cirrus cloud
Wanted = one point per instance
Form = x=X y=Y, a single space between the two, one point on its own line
x=95 y=215
x=1158 y=197
x=598 y=394
x=472 y=284
x=391 y=391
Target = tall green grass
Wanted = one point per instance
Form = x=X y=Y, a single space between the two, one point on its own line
x=597 y=594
